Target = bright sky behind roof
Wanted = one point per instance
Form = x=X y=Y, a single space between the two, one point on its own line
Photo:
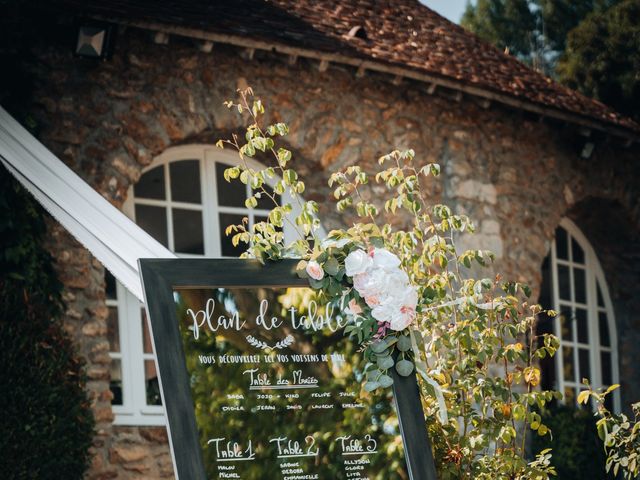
x=452 y=9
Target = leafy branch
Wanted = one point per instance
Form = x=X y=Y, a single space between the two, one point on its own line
x=462 y=329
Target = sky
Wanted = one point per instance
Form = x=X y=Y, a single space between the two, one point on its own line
x=452 y=9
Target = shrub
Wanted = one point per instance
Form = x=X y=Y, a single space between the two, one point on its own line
x=619 y=432
x=577 y=451
x=46 y=423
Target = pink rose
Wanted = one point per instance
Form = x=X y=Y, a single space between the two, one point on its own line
x=372 y=300
x=353 y=308
x=314 y=270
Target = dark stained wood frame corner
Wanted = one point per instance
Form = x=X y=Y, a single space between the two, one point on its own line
x=159 y=279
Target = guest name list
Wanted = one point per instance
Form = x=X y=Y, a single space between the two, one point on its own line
x=277 y=390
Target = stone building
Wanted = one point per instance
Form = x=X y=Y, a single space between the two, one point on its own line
x=551 y=178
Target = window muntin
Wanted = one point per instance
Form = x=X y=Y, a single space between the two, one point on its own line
x=183 y=201
x=169 y=207
x=585 y=324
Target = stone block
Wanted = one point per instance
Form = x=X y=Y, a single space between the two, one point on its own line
x=98 y=373
x=476 y=190
x=127 y=453
x=103 y=414
x=154 y=434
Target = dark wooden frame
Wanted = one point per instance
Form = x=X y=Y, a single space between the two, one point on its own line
x=161 y=276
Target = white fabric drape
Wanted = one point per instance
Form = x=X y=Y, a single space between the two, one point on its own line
x=115 y=240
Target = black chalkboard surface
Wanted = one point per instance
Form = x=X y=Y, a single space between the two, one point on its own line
x=259 y=382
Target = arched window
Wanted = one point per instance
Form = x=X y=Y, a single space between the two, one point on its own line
x=574 y=285
x=184 y=202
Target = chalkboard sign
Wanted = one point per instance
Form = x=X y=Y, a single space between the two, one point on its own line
x=259 y=381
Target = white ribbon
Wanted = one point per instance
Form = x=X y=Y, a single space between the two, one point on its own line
x=458 y=301
x=421 y=368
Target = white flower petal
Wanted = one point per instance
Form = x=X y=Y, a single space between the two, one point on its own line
x=357 y=262
x=383 y=258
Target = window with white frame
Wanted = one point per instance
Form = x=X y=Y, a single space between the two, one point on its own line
x=574 y=286
x=184 y=202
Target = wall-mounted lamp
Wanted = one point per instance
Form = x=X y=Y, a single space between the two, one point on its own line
x=587 y=150
x=94 y=40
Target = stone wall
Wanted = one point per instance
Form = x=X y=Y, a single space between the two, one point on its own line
x=141 y=452
x=85 y=321
x=515 y=175
x=117 y=452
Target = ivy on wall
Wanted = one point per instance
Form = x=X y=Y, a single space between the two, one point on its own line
x=46 y=422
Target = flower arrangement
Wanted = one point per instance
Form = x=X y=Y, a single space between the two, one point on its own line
x=411 y=308
x=378 y=297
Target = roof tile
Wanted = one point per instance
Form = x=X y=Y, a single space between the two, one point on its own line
x=402 y=33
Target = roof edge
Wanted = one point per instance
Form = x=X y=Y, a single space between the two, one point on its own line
x=384 y=67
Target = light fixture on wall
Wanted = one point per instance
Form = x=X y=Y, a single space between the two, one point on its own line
x=587 y=150
x=94 y=40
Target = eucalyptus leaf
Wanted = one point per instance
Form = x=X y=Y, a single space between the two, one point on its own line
x=371 y=386
x=404 y=343
x=379 y=347
x=404 y=368
x=385 y=381
x=385 y=362
x=331 y=266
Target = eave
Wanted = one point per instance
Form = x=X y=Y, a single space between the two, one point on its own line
x=396 y=72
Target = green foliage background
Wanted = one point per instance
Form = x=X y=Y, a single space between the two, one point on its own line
x=46 y=424
x=602 y=57
x=592 y=46
x=577 y=451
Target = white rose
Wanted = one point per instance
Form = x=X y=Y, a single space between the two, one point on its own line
x=398 y=310
x=396 y=279
x=371 y=283
x=378 y=284
x=407 y=310
x=385 y=312
x=383 y=258
x=360 y=282
x=357 y=262
x=314 y=270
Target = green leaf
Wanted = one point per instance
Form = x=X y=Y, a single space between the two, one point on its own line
x=371 y=386
x=290 y=176
x=404 y=367
x=331 y=266
x=404 y=343
x=385 y=381
x=284 y=156
x=379 y=347
x=385 y=363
